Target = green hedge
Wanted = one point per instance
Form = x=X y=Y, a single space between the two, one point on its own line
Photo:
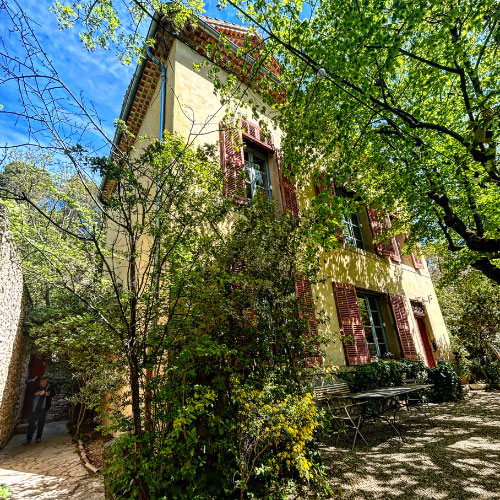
x=447 y=385
x=392 y=373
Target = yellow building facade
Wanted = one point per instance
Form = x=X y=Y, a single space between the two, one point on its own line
x=379 y=302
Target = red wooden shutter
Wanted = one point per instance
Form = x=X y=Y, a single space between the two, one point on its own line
x=233 y=163
x=351 y=324
x=288 y=190
x=418 y=263
x=256 y=134
x=403 y=327
x=306 y=311
x=378 y=226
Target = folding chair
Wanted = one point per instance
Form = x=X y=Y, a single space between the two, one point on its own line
x=346 y=414
x=415 y=400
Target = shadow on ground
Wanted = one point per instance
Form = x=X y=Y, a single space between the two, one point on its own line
x=458 y=459
x=49 y=470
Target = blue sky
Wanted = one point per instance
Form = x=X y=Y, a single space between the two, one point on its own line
x=97 y=77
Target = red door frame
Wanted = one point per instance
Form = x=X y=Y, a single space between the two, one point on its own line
x=426 y=343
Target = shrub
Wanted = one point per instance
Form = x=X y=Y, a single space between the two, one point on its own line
x=392 y=373
x=447 y=385
x=274 y=436
x=492 y=369
x=258 y=448
x=414 y=370
x=5 y=491
x=375 y=374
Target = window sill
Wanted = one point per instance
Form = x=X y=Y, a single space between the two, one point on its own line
x=364 y=253
x=389 y=262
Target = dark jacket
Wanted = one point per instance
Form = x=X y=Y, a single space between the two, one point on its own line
x=48 y=387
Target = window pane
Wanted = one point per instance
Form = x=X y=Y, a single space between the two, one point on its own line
x=380 y=334
x=383 y=349
x=257 y=174
x=373 y=325
x=354 y=235
x=356 y=230
x=260 y=163
x=261 y=179
x=372 y=301
x=377 y=321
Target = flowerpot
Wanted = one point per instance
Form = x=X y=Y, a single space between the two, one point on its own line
x=478 y=387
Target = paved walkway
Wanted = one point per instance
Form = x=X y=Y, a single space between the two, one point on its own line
x=50 y=470
x=458 y=459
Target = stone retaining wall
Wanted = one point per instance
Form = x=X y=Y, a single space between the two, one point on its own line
x=12 y=359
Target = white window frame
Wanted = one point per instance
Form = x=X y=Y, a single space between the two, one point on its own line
x=351 y=238
x=250 y=172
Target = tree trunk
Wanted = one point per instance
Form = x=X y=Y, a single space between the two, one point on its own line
x=137 y=427
x=488 y=269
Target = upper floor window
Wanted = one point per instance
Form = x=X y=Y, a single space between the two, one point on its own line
x=257 y=173
x=354 y=231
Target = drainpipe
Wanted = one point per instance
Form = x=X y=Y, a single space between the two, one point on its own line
x=156 y=257
x=163 y=88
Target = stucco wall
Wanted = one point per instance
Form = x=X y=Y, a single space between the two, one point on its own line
x=197 y=112
x=194 y=112
x=366 y=270
x=11 y=338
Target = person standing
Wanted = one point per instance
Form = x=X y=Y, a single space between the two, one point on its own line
x=41 y=403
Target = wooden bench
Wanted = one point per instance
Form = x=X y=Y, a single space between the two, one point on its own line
x=323 y=391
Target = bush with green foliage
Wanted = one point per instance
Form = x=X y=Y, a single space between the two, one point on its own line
x=376 y=374
x=414 y=370
x=447 y=384
x=492 y=369
x=5 y=491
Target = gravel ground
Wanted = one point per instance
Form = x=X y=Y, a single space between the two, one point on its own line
x=457 y=459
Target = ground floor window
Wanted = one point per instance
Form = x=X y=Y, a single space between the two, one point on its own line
x=376 y=337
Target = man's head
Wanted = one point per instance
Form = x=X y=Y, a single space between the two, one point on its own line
x=44 y=380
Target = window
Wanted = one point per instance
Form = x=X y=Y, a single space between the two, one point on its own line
x=374 y=326
x=257 y=173
x=354 y=231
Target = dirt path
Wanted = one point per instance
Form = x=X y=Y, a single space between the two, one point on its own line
x=458 y=459
x=50 y=470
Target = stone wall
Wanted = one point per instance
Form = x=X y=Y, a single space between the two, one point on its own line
x=60 y=409
x=12 y=359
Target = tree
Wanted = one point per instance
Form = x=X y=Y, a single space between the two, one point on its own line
x=184 y=312
x=401 y=107
x=50 y=213
x=471 y=308
x=57 y=266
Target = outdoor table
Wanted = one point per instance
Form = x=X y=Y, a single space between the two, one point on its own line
x=389 y=399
